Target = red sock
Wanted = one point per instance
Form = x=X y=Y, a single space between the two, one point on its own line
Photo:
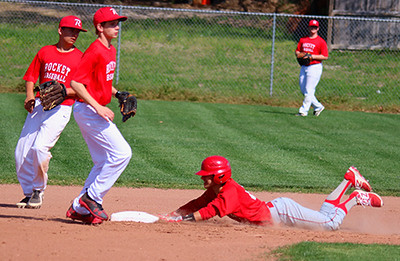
x=343 y=205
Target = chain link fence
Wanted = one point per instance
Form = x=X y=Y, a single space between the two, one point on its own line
x=234 y=57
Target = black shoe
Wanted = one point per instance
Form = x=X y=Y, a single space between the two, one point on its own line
x=317 y=113
x=23 y=202
x=36 y=199
x=300 y=114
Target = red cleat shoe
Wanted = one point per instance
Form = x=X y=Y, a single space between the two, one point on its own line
x=367 y=198
x=95 y=208
x=87 y=219
x=356 y=179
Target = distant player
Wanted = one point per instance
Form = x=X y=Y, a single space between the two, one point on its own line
x=108 y=148
x=43 y=128
x=225 y=197
x=311 y=74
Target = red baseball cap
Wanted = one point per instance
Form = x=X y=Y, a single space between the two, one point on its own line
x=71 y=22
x=313 y=23
x=107 y=14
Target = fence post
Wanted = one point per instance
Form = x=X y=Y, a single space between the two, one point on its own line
x=330 y=25
x=118 y=47
x=272 y=55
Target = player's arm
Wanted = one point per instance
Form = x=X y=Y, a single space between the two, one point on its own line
x=81 y=91
x=182 y=214
x=323 y=53
x=298 y=49
x=319 y=57
x=113 y=91
x=29 y=102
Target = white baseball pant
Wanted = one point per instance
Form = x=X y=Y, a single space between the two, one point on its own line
x=109 y=150
x=308 y=81
x=291 y=213
x=40 y=133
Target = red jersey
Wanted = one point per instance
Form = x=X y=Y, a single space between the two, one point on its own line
x=96 y=71
x=51 y=64
x=232 y=201
x=313 y=46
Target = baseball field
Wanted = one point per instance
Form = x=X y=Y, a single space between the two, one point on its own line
x=272 y=153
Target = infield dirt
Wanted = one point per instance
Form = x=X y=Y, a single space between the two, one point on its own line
x=46 y=234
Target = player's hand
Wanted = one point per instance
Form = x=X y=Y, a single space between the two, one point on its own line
x=29 y=104
x=105 y=113
x=171 y=217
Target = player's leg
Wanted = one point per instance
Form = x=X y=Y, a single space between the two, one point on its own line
x=83 y=114
x=359 y=197
x=115 y=154
x=291 y=213
x=110 y=153
x=352 y=178
x=23 y=152
x=313 y=75
x=303 y=79
x=334 y=199
x=54 y=122
x=302 y=84
x=362 y=198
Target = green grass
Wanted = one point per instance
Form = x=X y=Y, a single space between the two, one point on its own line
x=197 y=59
x=269 y=148
x=313 y=251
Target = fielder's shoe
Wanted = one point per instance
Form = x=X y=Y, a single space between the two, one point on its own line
x=23 y=202
x=87 y=219
x=36 y=199
x=95 y=208
x=318 y=112
x=356 y=179
x=367 y=198
x=301 y=114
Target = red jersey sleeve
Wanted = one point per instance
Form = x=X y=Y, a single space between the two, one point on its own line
x=32 y=74
x=324 y=47
x=299 y=44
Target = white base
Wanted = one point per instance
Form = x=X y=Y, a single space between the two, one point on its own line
x=135 y=216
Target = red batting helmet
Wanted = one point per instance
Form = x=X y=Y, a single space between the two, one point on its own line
x=217 y=166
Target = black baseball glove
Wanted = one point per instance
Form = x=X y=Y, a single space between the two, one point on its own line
x=127 y=104
x=304 y=58
x=52 y=94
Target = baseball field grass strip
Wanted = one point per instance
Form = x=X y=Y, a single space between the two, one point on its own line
x=226 y=64
x=269 y=148
x=311 y=251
